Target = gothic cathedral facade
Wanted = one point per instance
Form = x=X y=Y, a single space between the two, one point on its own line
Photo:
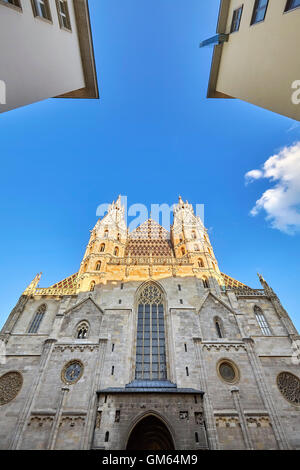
x=149 y=346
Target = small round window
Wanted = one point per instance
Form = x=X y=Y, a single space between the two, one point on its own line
x=228 y=372
x=72 y=372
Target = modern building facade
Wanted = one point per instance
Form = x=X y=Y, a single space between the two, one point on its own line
x=46 y=51
x=149 y=346
x=256 y=57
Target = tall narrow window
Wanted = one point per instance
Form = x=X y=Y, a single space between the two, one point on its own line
x=291 y=4
x=200 y=263
x=106 y=233
x=219 y=328
x=37 y=319
x=102 y=248
x=98 y=266
x=150 y=348
x=41 y=9
x=259 y=11
x=92 y=286
x=205 y=283
x=116 y=251
x=63 y=14
x=261 y=320
x=236 y=19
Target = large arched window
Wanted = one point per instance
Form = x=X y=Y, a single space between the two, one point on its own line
x=150 y=345
x=35 y=324
x=261 y=320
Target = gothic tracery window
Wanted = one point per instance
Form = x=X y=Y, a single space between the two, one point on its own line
x=289 y=386
x=150 y=349
x=261 y=320
x=37 y=319
x=82 y=330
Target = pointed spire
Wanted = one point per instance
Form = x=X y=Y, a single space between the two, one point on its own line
x=33 y=285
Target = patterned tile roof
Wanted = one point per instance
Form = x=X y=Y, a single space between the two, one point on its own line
x=68 y=283
x=230 y=283
x=150 y=238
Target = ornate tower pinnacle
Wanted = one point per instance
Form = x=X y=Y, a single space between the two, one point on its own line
x=33 y=285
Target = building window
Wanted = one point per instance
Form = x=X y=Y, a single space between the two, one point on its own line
x=112 y=370
x=102 y=248
x=107 y=436
x=182 y=251
x=228 y=371
x=92 y=286
x=218 y=325
x=82 y=330
x=289 y=386
x=41 y=9
x=205 y=283
x=98 y=266
x=179 y=287
x=187 y=371
x=261 y=320
x=13 y=3
x=200 y=263
x=116 y=251
x=181 y=301
x=63 y=14
x=150 y=347
x=38 y=317
x=259 y=11
x=193 y=235
x=106 y=233
x=292 y=4
x=236 y=19
x=185 y=347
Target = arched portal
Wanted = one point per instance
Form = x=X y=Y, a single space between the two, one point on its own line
x=150 y=434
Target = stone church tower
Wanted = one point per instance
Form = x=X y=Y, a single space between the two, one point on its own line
x=149 y=346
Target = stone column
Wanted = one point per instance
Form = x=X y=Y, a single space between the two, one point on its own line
x=31 y=396
x=244 y=427
x=86 y=443
x=266 y=395
x=212 y=434
x=57 y=418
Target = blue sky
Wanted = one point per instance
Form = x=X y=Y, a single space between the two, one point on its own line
x=152 y=136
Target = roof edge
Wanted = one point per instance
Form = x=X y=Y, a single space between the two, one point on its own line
x=84 y=30
x=216 y=59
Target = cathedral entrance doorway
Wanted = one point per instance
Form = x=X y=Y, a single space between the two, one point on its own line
x=150 y=434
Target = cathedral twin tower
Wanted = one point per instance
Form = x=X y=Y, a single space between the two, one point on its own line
x=149 y=346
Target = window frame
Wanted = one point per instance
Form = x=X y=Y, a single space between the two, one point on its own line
x=232 y=21
x=262 y=322
x=37 y=320
x=36 y=14
x=13 y=6
x=60 y=20
x=254 y=13
x=288 y=8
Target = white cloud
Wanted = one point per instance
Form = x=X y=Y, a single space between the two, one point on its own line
x=281 y=202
